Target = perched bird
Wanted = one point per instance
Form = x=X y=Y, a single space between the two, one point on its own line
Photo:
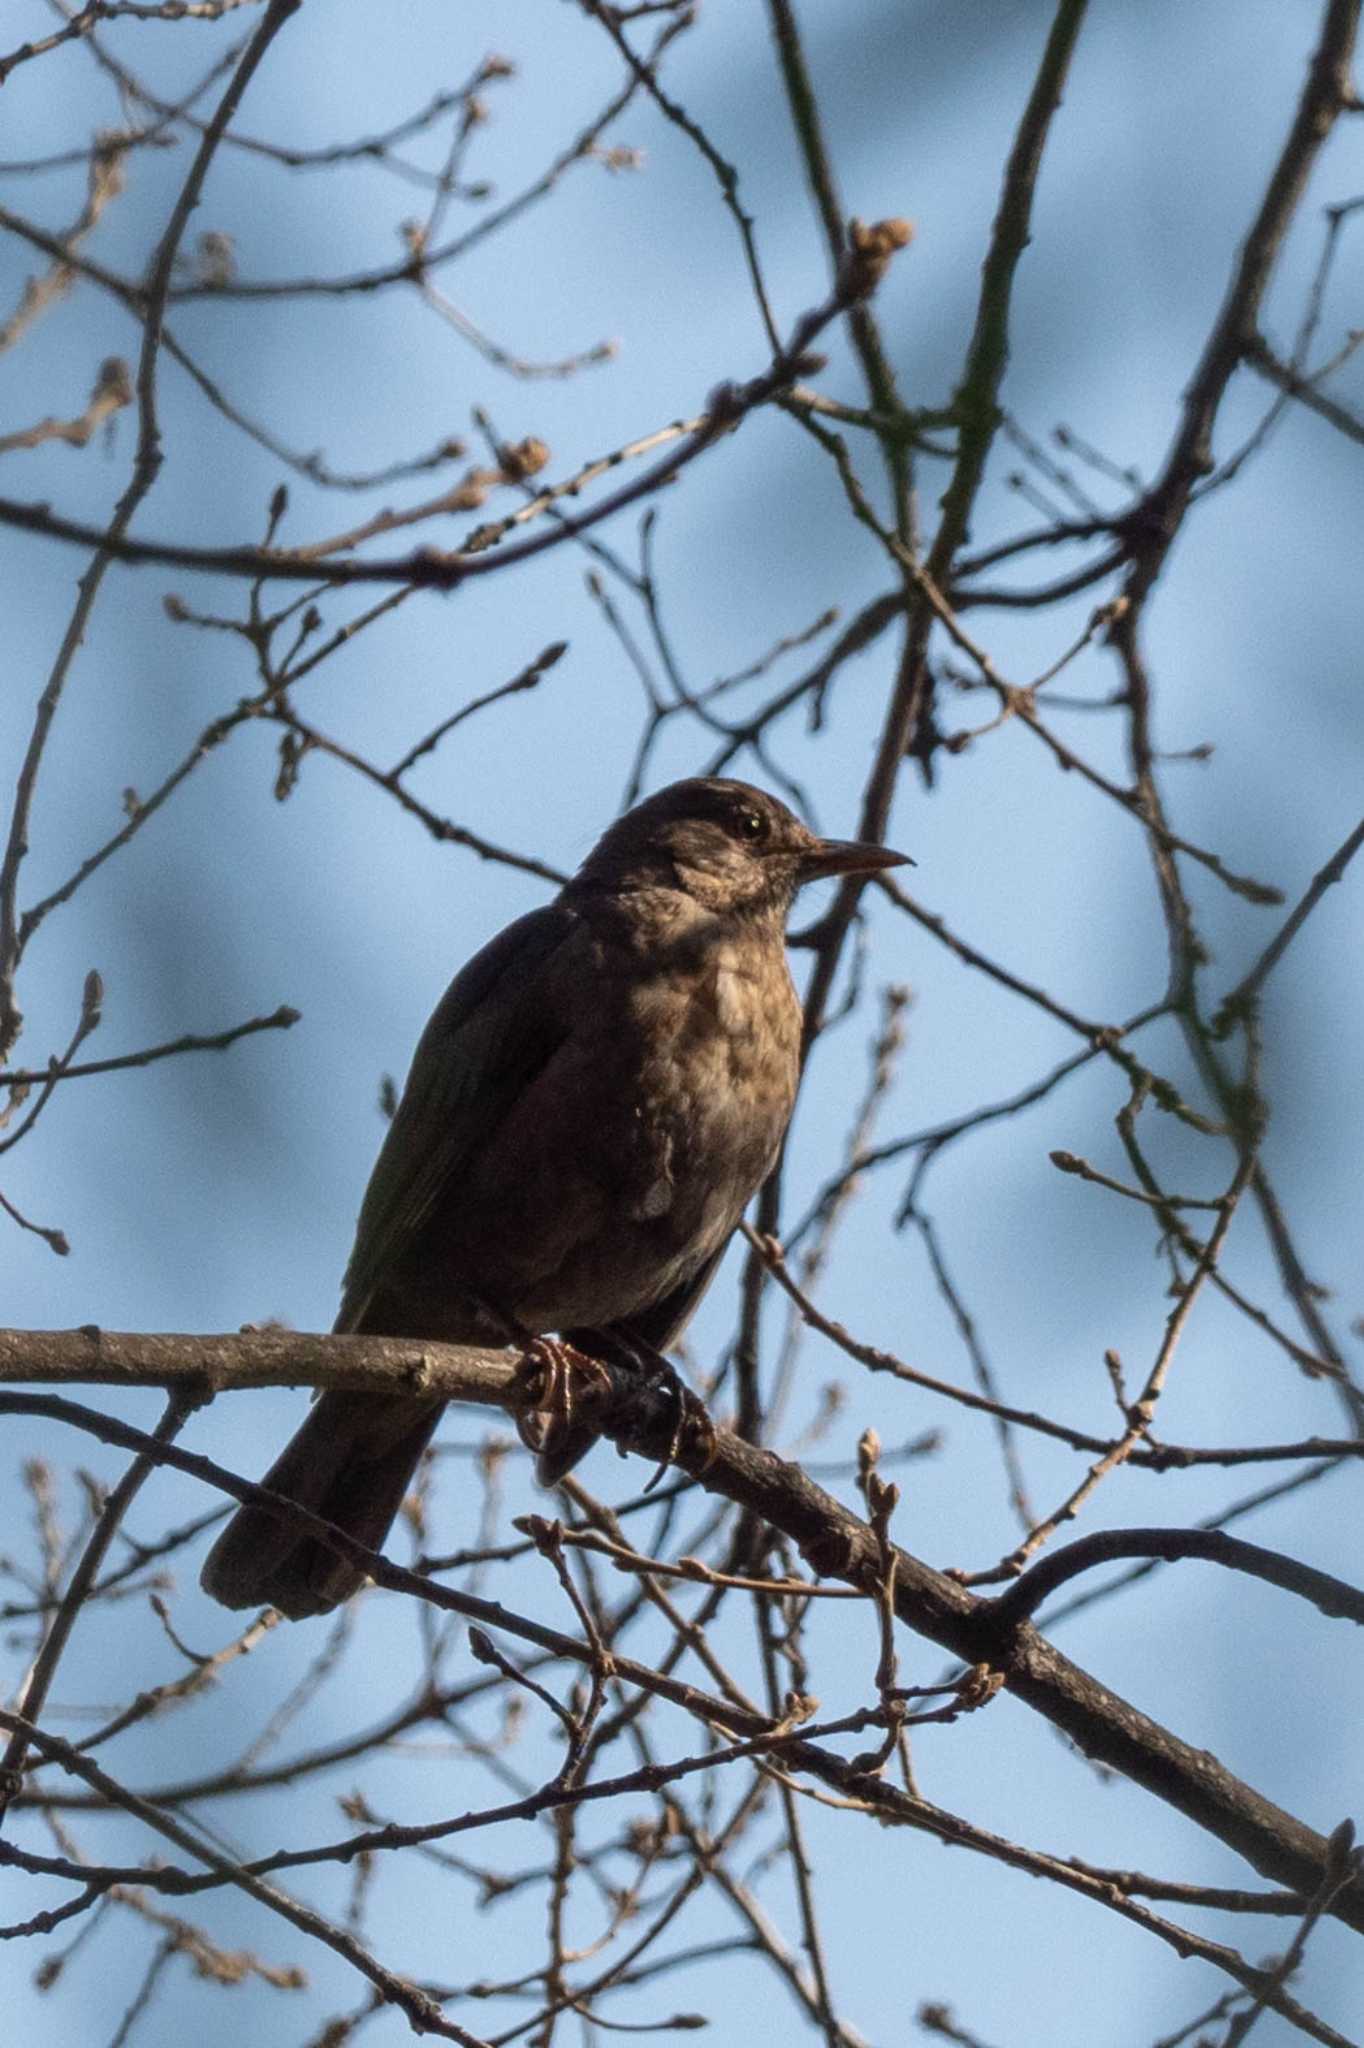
x=596 y=1098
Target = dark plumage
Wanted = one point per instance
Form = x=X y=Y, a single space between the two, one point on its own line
x=595 y=1099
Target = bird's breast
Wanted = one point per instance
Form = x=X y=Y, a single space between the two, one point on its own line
x=717 y=1085
x=628 y=1162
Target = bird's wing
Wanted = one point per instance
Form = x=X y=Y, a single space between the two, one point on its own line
x=491 y=1033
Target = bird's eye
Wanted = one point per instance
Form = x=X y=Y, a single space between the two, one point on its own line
x=752 y=825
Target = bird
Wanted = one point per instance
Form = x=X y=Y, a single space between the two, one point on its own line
x=592 y=1105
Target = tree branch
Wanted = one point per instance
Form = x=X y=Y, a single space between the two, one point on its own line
x=836 y=1542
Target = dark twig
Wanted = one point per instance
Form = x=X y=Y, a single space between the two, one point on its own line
x=78 y=1591
x=1333 y=1596
x=214 y=1041
x=1248 y=988
x=427 y=568
x=108 y=542
x=779 y=1493
x=423 y=2013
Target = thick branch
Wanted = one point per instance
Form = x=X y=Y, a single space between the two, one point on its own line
x=836 y=1541
x=89 y=1356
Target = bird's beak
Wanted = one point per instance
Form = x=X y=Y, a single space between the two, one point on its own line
x=848 y=857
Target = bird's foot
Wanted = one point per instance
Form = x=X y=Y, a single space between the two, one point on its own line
x=551 y=1426
x=692 y=1430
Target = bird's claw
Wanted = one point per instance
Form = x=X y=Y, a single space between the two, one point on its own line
x=692 y=1428
x=550 y=1426
x=553 y=1427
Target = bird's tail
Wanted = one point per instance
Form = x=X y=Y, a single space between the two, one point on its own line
x=351 y=1462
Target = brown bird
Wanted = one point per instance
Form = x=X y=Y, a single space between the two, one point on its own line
x=592 y=1105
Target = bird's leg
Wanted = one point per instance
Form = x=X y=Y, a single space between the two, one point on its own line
x=623 y=1345
x=550 y=1427
x=549 y=1368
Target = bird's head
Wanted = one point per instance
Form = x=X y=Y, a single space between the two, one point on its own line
x=731 y=847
